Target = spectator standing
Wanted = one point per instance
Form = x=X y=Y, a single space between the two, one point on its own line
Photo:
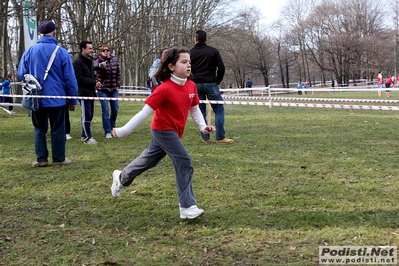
x=389 y=83
x=379 y=83
x=61 y=82
x=87 y=84
x=109 y=75
x=6 y=90
x=153 y=69
x=249 y=84
x=149 y=85
x=306 y=86
x=208 y=71
x=172 y=101
x=299 y=87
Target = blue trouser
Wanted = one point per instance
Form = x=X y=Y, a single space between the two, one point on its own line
x=67 y=120
x=211 y=92
x=87 y=107
x=162 y=143
x=387 y=86
x=40 y=119
x=8 y=99
x=109 y=121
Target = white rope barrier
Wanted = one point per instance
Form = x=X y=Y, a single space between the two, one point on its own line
x=223 y=96
x=260 y=101
x=338 y=106
x=338 y=89
x=309 y=105
x=309 y=99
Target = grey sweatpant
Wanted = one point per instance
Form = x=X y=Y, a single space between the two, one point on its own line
x=162 y=143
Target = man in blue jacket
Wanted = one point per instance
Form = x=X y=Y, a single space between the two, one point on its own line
x=60 y=82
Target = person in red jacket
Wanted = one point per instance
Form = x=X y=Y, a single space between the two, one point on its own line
x=389 y=83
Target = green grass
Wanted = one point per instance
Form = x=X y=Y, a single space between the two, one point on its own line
x=294 y=179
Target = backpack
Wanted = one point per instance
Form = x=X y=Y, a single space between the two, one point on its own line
x=31 y=88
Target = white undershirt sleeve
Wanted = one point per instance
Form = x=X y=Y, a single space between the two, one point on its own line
x=197 y=117
x=136 y=121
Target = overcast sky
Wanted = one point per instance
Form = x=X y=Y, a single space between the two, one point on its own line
x=269 y=8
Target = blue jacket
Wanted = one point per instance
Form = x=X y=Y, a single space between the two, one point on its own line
x=6 y=87
x=61 y=80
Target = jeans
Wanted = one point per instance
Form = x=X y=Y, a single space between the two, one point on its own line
x=162 y=143
x=109 y=121
x=211 y=92
x=40 y=119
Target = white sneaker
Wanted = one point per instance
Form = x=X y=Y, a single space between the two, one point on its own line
x=91 y=141
x=191 y=212
x=108 y=136
x=116 y=184
x=68 y=136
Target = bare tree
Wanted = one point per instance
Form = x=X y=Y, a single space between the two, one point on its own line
x=347 y=32
x=4 y=37
x=341 y=39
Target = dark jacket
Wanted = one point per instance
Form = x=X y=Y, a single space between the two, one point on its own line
x=110 y=75
x=84 y=72
x=206 y=64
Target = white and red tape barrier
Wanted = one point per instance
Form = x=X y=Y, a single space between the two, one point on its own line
x=260 y=101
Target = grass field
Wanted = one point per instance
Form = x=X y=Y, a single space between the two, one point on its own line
x=294 y=179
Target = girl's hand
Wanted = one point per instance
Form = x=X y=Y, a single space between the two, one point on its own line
x=209 y=129
x=114 y=133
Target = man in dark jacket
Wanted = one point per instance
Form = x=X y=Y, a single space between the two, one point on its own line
x=208 y=70
x=87 y=83
x=60 y=82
